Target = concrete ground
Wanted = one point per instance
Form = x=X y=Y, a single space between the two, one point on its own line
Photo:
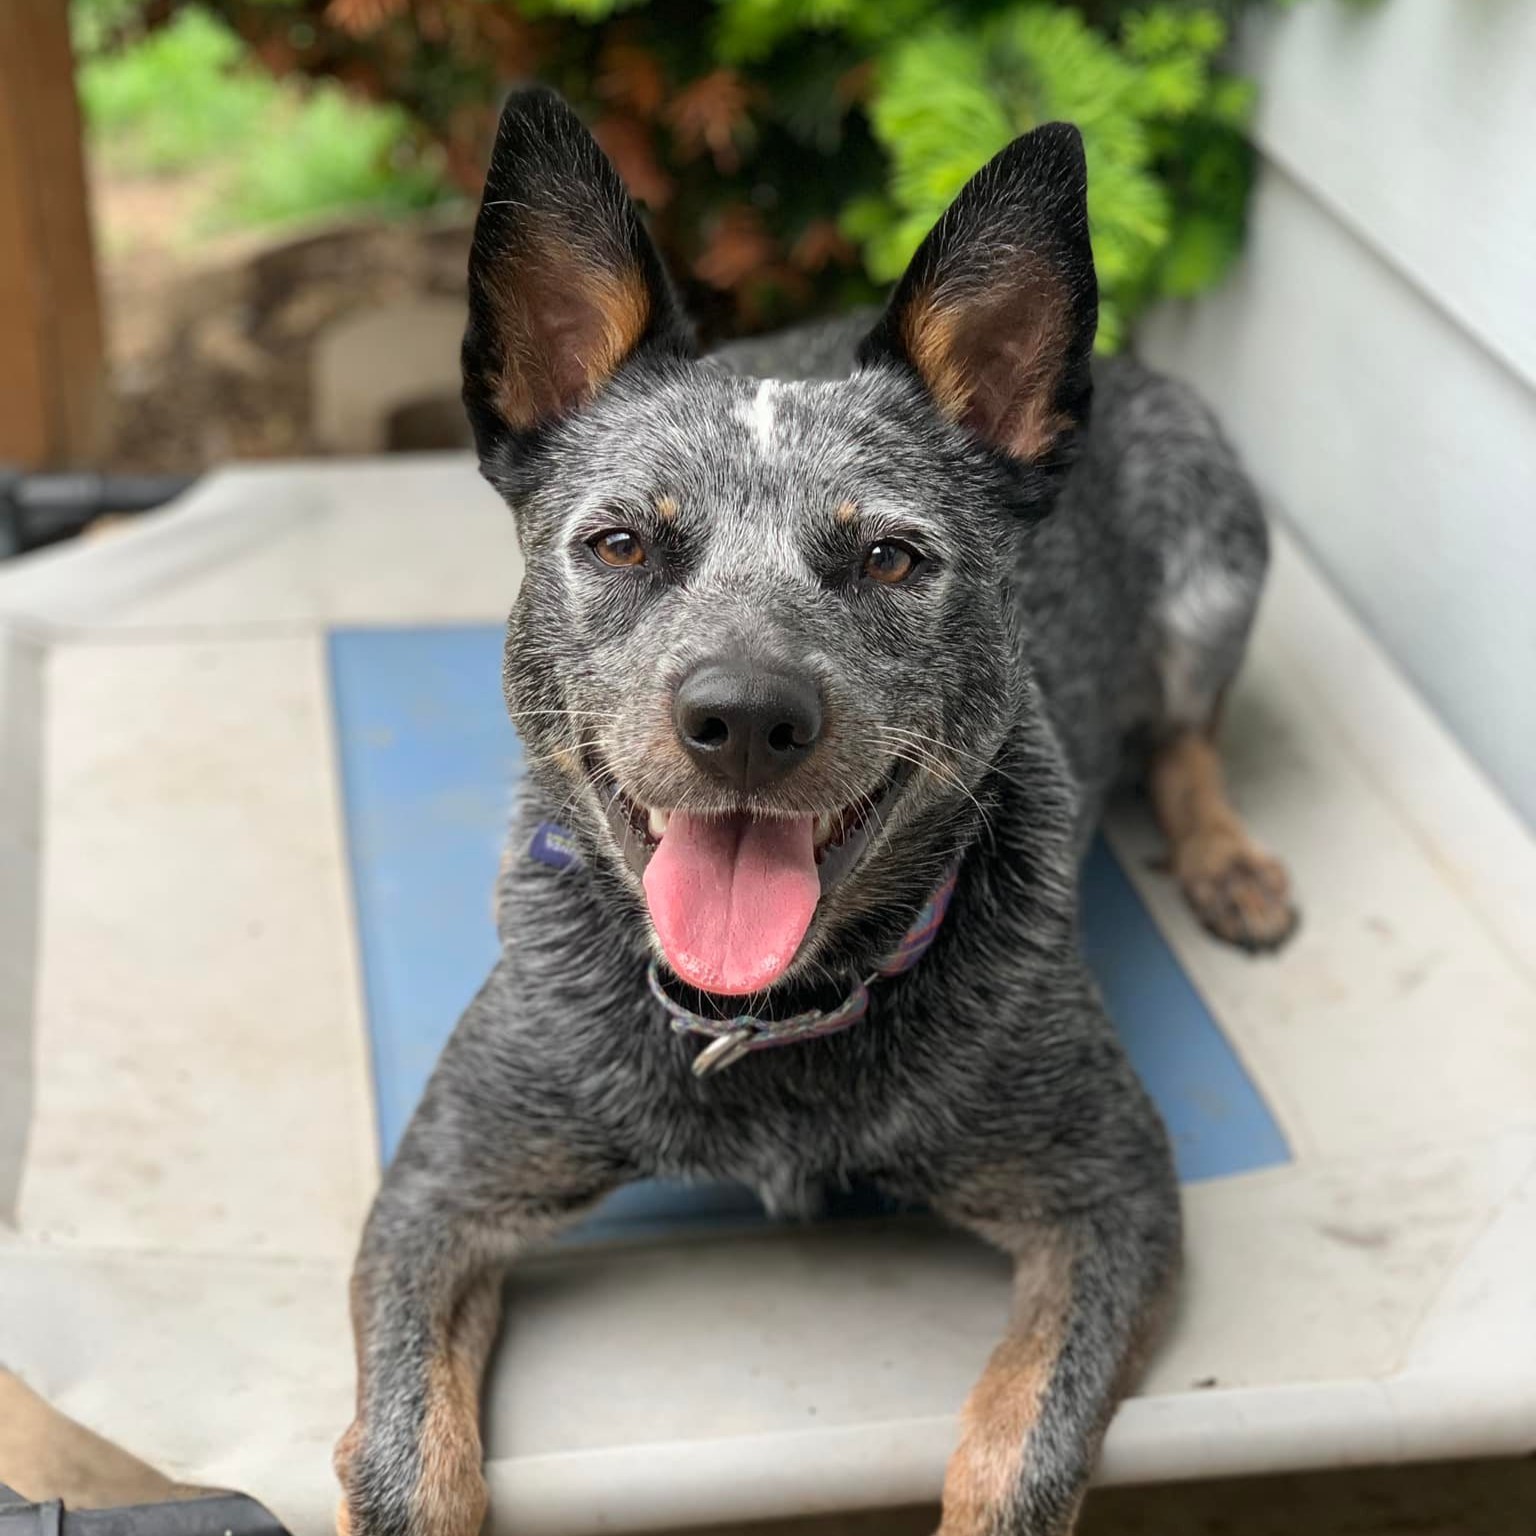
x=1470 y=1498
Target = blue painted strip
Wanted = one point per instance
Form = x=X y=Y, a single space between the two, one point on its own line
x=427 y=761
x=1217 y=1118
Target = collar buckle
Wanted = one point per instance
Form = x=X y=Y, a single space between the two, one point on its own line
x=722 y=1051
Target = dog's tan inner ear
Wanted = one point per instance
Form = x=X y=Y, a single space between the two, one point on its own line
x=565 y=328
x=992 y=358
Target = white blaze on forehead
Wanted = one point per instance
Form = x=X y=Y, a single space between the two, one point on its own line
x=760 y=417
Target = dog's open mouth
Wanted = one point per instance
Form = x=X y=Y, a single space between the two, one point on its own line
x=731 y=895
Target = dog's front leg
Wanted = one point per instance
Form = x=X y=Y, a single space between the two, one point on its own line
x=426 y=1302
x=1088 y=1293
x=425 y=1307
x=460 y=1202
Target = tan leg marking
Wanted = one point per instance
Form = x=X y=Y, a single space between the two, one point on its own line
x=1237 y=889
x=450 y=1498
x=346 y=1447
x=983 y=1475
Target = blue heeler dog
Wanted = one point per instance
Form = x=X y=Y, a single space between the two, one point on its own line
x=799 y=657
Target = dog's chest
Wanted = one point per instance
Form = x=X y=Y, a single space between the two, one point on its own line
x=790 y=1122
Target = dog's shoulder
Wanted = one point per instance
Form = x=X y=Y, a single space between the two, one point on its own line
x=1135 y=404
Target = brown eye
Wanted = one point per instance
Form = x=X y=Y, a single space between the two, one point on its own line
x=889 y=562
x=619 y=547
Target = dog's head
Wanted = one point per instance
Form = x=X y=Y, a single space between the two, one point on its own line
x=763 y=650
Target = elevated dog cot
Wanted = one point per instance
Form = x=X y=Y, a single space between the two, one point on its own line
x=253 y=779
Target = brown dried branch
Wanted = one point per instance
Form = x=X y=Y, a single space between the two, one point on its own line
x=711 y=114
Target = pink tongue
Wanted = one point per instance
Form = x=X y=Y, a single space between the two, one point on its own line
x=731 y=897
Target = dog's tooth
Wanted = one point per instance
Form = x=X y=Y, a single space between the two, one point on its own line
x=656 y=823
x=822 y=830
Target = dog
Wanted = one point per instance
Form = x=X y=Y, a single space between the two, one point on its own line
x=820 y=707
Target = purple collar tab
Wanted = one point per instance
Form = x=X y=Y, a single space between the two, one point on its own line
x=551 y=844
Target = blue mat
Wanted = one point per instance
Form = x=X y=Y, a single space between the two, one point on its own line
x=428 y=759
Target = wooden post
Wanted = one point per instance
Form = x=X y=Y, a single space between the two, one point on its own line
x=52 y=376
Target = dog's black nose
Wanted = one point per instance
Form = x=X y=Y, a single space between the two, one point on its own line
x=744 y=722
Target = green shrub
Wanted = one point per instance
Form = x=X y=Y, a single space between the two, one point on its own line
x=189 y=95
x=183 y=96
x=324 y=152
x=791 y=152
x=1160 y=131
x=94 y=23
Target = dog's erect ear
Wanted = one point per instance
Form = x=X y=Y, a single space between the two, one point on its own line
x=996 y=312
x=565 y=285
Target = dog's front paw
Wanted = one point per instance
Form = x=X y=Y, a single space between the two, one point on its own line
x=1241 y=893
x=434 y=1487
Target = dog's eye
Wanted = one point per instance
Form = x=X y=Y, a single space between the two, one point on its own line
x=618 y=547
x=890 y=561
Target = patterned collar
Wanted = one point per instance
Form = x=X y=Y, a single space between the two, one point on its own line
x=731 y=1039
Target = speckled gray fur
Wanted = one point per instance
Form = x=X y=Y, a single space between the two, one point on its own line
x=987 y=1083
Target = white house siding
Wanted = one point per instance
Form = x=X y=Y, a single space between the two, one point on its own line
x=1375 y=354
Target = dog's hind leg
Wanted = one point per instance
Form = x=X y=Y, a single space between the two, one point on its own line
x=1237 y=889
